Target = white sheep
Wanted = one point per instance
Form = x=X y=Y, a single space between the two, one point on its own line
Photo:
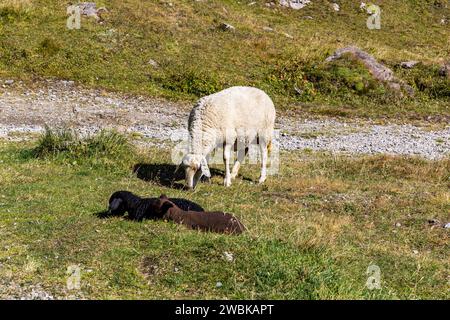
x=237 y=116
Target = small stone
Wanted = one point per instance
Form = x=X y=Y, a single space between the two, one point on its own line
x=153 y=63
x=398 y=224
x=447 y=225
x=335 y=7
x=218 y=284
x=444 y=71
x=226 y=27
x=228 y=256
x=434 y=222
x=9 y=82
x=408 y=64
x=415 y=251
x=294 y=4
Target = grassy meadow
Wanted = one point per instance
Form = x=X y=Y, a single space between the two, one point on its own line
x=313 y=230
x=175 y=49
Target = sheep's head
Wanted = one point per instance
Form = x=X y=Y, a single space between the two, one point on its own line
x=195 y=166
x=117 y=205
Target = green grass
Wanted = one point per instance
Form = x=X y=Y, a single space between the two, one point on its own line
x=196 y=58
x=312 y=230
x=106 y=148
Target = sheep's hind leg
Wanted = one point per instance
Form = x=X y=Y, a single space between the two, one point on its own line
x=226 y=158
x=237 y=164
x=263 y=148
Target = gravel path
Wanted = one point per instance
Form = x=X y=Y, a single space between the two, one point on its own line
x=24 y=112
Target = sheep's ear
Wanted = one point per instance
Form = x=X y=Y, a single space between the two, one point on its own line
x=163 y=197
x=204 y=168
x=115 y=203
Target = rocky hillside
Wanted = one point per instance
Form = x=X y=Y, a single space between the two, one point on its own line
x=183 y=49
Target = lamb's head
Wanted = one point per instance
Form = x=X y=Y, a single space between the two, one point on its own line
x=195 y=166
x=159 y=207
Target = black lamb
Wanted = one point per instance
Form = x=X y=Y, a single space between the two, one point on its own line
x=139 y=208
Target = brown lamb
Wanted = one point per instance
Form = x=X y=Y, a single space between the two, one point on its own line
x=206 y=221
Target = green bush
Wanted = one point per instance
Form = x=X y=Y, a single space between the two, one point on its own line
x=48 y=47
x=426 y=80
x=103 y=148
x=11 y=11
x=342 y=78
x=191 y=81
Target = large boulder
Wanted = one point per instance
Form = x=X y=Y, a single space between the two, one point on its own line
x=377 y=69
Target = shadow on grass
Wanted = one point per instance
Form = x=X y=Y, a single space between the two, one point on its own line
x=165 y=175
x=106 y=214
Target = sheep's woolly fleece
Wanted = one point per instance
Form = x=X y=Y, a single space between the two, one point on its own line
x=226 y=112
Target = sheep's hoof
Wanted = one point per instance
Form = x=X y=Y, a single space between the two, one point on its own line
x=235 y=171
x=227 y=182
x=261 y=180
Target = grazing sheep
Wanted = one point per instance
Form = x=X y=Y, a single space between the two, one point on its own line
x=236 y=116
x=206 y=221
x=139 y=208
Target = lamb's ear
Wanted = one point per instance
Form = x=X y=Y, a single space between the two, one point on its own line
x=204 y=168
x=166 y=205
x=114 y=205
x=163 y=197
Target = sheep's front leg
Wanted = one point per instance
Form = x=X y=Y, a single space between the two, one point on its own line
x=263 y=148
x=226 y=159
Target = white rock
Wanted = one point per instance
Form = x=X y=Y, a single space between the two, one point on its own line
x=227 y=27
x=228 y=256
x=408 y=64
x=153 y=63
x=294 y=4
